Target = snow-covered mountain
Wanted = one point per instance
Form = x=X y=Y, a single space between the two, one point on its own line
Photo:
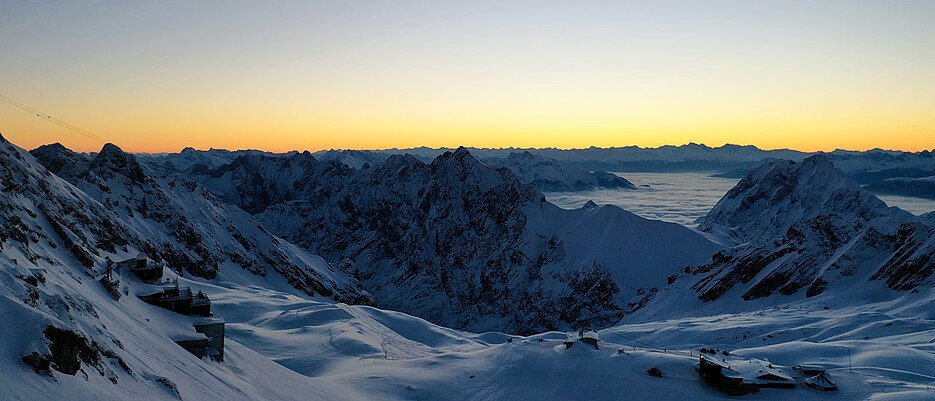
x=880 y=171
x=805 y=229
x=551 y=175
x=551 y=169
x=65 y=336
x=84 y=340
x=460 y=243
x=765 y=203
x=189 y=228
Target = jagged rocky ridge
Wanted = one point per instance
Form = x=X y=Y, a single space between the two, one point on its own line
x=458 y=242
x=535 y=170
x=175 y=220
x=806 y=228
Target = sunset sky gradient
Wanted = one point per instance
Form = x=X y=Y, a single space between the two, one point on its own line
x=278 y=76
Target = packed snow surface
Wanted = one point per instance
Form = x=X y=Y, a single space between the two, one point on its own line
x=389 y=355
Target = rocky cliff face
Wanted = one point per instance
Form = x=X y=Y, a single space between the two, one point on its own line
x=175 y=220
x=459 y=242
x=45 y=220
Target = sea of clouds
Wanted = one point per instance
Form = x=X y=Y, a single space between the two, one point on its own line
x=684 y=197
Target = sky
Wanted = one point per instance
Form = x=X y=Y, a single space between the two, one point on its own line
x=312 y=75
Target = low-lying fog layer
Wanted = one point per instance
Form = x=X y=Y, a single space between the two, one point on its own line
x=675 y=197
x=683 y=197
x=910 y=204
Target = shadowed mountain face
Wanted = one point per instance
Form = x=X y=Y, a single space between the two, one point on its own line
x=765 y=203
x=189 y=228
x=808 y=229
x=458 y=242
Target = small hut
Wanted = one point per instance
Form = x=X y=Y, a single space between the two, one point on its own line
x=723 y=377
x=214 y=330
x=207 y=341
x=821 y=382
x=141 y=267
x=810 y=370
x=774 y=379
x=588 y=336
x=181 y=300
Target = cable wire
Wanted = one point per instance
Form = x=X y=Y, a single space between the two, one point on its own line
x=48 y=117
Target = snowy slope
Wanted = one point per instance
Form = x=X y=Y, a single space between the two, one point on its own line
x=340 y=352
x=458 y=242
x=396 y=356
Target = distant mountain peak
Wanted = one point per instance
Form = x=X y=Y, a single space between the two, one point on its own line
x=461 y=156
x=765 y=203
x=57 y=146
x=113 y=159
x=461 y=153
x=402 y=160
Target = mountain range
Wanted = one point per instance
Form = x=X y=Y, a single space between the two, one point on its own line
x=342 y=279
x=805 y=229
x=458 y=242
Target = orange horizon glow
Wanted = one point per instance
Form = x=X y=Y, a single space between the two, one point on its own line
x=157 y=77
x=281 y=134
x=83 y=145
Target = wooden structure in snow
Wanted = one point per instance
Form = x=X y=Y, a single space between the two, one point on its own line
x=142 y=268
x=722 y=377
x=773 y=379
x=821 y=382
x=585 y=335
x=588 y=336
x=214 y=330
x=210 y=344
x=737 y=377
x=810 y=370
x=180 y=300
x=198 y=346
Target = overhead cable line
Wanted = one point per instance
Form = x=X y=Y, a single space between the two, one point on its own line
x=48 y=117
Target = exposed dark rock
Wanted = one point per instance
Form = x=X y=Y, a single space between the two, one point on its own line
x=38 y=362
x=69 y=349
